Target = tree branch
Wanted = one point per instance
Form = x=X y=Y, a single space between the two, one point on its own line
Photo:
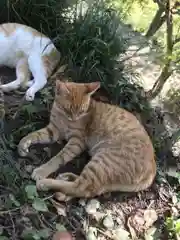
x=156 y=23
x=166 y=71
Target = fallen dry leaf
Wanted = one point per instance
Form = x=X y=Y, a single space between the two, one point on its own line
x=150 y=216
x=61 y=209
x=108 y=222
x=140 y=221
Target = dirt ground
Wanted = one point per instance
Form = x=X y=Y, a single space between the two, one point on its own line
x=127 y=211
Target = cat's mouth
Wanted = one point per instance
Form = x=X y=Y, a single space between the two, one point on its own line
x=76 y=118
x=73 y=119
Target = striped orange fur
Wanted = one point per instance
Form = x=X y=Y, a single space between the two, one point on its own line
x=122 y=155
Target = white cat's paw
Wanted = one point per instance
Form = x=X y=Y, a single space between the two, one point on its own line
x=23 y=147
x=61 y=197
x=30 y=95
x=39 y=174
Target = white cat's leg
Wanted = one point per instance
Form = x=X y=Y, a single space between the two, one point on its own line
x=39 y=73
x=22 y=76
x=29 y=83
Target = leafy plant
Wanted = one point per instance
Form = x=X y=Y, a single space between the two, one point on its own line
x=33 y=234
x=38 y=203
x=173 y=227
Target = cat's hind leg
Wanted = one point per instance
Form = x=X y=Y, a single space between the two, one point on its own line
x=22 y=76
x=85 y=185
x=46 y=184
x=39 y=73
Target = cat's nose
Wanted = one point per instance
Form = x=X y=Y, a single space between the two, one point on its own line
x=74 y=117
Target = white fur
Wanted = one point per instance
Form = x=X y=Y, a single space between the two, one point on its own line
x=32 y=48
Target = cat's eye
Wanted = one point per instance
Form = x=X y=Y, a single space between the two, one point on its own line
x=81 y=111
x=67 y=112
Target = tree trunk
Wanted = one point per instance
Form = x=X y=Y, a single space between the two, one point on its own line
x=166 y=71
x=156 y=23
x=158 y=85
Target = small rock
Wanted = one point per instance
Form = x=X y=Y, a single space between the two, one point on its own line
x=108 y=222
x=120 y=233
x=92 y=206
x=91 y=234
x=82 y=202
x=98 y=216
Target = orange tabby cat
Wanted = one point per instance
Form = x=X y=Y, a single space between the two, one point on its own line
x=121 y=150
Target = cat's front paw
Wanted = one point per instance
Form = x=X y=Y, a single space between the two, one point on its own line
x=39 y=173
x=29 y=95
x=23 y=147
x=5 y=88
x=42 y=185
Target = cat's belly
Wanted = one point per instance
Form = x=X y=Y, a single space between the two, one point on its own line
x=10 y=60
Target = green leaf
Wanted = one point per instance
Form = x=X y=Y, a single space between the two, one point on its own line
x=31 y=192
x=30 y=108
x=177 y=226
x=29 y=234
x=13 y=199
x=40 y=205
x=60 y=227
x=44 y=233
x=3 y=238
x=1 y=231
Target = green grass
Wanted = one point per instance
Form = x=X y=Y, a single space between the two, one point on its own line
x=89 y=43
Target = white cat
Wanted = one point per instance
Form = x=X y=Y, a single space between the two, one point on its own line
x=27 y=50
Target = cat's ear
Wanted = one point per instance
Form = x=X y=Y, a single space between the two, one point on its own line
x=93 y=87
x=61 y=87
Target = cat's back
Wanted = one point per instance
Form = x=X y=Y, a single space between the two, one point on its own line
x=18 y=40
x=114 y=127
x=111 y=118
x=22 y=35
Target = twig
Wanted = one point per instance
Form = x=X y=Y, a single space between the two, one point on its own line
x=13 y=226
x=49 y=197
x=19 y=108
x=10 y=210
